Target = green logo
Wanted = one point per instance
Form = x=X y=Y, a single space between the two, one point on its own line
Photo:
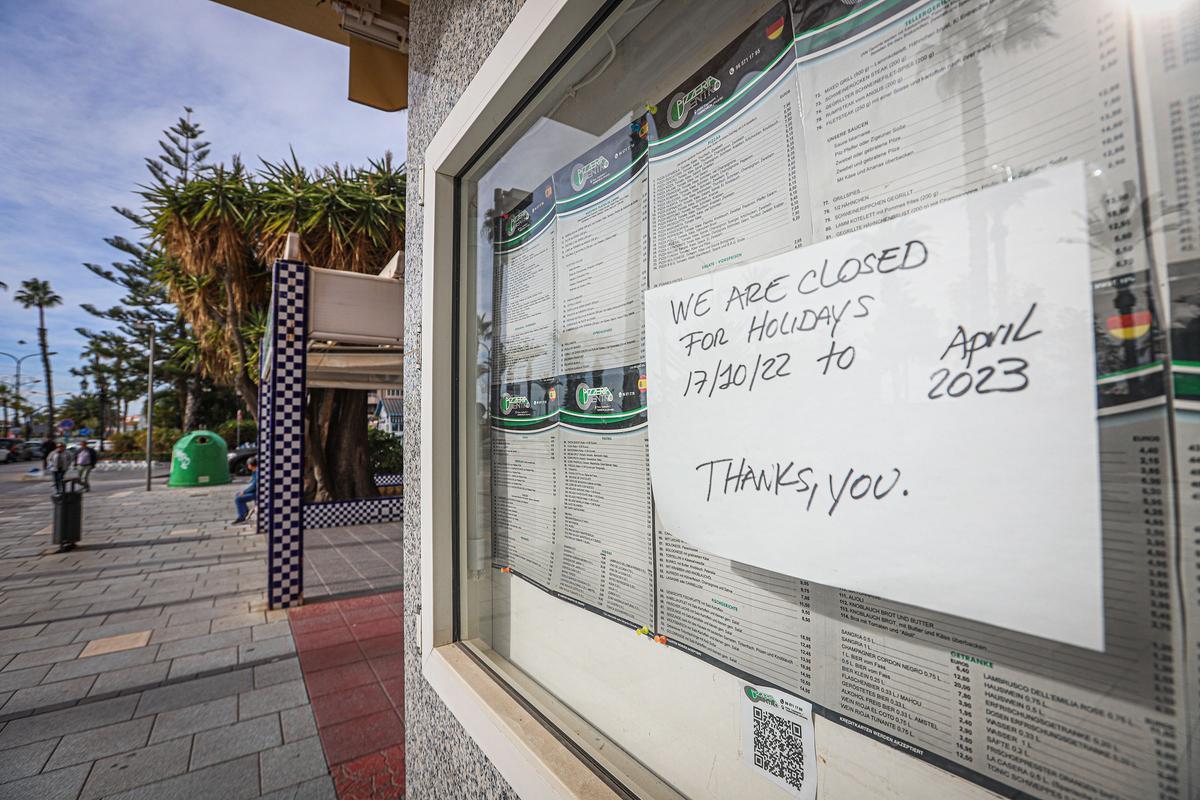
x=515 y=219
x=755 y=696
x=508 y=402
x=585 y=396
x=582 y=173
x=682 y=103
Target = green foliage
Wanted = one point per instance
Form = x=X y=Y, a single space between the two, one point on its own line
x=229 y=432
x=123 y=443
x=385 y=451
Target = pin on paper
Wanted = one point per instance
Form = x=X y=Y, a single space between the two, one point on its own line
x=660 y=639
x=506 y=569
x=643 y=631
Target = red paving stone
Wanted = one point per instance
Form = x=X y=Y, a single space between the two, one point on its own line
x=375 y=776
x=352 y=656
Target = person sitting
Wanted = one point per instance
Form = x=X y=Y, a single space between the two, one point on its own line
x=246 y=496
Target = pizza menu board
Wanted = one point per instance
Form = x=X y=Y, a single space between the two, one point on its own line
x=819 y=120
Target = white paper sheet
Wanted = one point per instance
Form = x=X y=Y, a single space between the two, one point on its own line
x=907 y=411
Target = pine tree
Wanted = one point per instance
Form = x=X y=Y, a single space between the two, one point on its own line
x=182 y=159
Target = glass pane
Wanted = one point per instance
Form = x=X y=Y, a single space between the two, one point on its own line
x=1006 y=170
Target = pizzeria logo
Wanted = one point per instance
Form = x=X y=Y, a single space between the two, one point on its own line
x=513 y=220
x=586 y=397
x=760 y=697
x=510 y=402
x=683 y=102
x=582 y=173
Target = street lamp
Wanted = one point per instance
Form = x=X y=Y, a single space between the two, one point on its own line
x=19 y=360
x=149 y=328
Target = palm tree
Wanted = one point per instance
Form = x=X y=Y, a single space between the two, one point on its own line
x=35 y=292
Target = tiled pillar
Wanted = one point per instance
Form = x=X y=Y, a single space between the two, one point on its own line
x=282 y=485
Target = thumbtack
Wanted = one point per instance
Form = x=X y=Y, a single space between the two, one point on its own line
x=642 y=631
x=660 y=639
x=506 y=569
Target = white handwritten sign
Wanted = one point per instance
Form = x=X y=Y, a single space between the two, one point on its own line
x=907 y=411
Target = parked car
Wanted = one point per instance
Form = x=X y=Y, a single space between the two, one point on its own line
x=5 y=451
x=20 y=451
x=33 y=451
x=238 y=460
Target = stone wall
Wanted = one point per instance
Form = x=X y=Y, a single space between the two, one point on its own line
x=448 y=41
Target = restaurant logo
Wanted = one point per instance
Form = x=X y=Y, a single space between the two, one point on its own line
x=513 y=220
x=682 y=102
x=756 y=696
x=582 y=173
x=509 y=402
x=585 y=396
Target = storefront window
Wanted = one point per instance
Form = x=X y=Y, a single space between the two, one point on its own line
x=818 y=352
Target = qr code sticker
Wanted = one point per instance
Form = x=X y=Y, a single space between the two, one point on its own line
x=779 y=747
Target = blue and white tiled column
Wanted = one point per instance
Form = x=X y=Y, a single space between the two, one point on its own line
x=282 y=483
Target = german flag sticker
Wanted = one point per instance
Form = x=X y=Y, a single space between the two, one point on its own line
x=775 y=29
x=1130 y=326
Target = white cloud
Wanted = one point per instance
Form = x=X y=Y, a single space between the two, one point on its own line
x=88 y=88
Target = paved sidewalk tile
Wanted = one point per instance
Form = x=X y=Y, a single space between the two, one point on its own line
x=144 y=676
x=137 y=768
x=47 y=696
x=233 y=780
x=193 y=719
x=59 y=723
x=115 y=644
x=152 y=669
x=273 y=698
x=21 y=762
x=100 y=742
x=292 y=763
x=62 y=784
x=224 y=744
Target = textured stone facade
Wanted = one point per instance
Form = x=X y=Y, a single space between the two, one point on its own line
x=448 y=41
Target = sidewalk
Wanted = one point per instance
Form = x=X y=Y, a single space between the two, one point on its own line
x=144 y=664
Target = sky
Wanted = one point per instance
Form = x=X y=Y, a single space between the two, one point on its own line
x=88 y=87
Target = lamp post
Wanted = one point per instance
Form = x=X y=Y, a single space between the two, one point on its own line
x=149 y=328
x=19 y=360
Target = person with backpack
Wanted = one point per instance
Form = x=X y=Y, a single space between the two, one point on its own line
x=85 y=461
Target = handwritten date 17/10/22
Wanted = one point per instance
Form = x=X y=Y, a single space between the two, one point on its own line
x=737 y=375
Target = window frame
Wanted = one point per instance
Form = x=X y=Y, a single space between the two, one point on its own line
x=531 y=751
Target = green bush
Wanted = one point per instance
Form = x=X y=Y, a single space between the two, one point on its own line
x=386 y=451
x=229 y=432
x=123 y=443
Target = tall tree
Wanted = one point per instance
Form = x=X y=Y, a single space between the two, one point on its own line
x=184 y=157
x=222 y=229
x=36 y=293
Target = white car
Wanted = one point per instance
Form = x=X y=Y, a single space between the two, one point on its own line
x=5 y=455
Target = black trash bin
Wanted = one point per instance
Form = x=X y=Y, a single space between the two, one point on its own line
x=68 y=515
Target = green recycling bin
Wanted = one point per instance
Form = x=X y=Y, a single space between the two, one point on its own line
x=199 y=459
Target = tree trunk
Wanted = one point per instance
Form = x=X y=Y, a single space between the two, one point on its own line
x=46 y=368
x=337 y=464
x=191 y=402
x=241 y=381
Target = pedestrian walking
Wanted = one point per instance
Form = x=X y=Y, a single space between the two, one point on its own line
x=48 y=446
x=58 y=462
x=246 y=496
x=85 y=461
